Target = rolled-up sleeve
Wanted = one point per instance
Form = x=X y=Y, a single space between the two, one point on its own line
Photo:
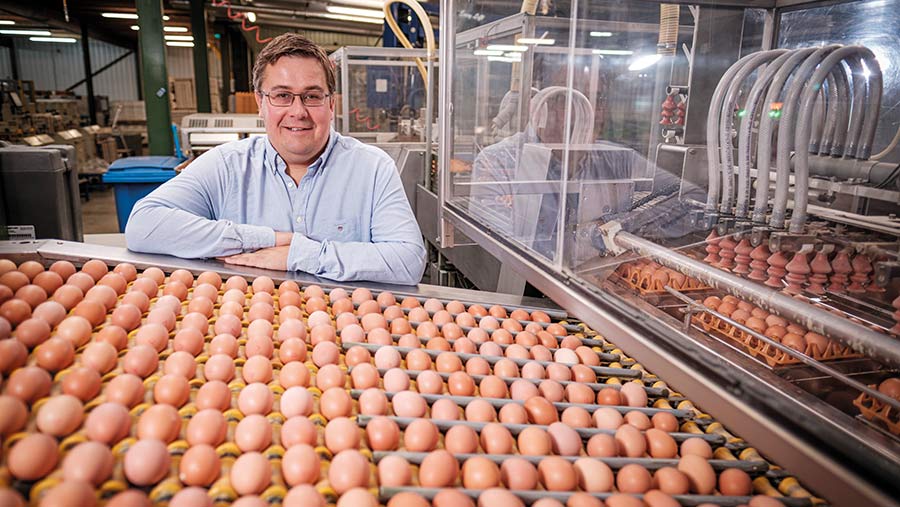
x=396 y=253
x=179 y=217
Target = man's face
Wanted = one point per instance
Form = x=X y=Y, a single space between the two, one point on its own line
x=299 y=133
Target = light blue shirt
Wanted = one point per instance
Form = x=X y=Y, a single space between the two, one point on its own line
x=350 y=216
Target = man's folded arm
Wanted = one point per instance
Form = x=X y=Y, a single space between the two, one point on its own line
x=177 y=218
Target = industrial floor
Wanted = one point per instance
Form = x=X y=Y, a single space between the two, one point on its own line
x=98 y=212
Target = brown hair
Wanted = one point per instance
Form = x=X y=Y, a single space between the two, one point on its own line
x=292 y=44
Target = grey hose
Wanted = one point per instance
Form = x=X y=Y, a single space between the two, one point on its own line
x=726 y=123
x=785 y=139
x=751 y=106
x=826 y=105
x=818 y=119
x=873 y=104
x=764 y=138
x=804 y=130
x=860 y=93
x=836 y=147
x=712 y=120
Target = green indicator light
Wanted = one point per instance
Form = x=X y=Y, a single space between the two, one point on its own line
x=742 y=113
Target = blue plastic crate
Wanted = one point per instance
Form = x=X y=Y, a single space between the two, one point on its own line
x=133 y=178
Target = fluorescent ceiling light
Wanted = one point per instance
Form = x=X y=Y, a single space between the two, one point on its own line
x=601 y=34
x=180 y=44
x=353 y=11
x=539 y=42
x=487 y=52
x=135 y=27
x=502 y=59
x=370 y=4
x=38 y=33
x=506 y=47
x=180 y=29
x=642 y=62
x=53 y=39
x=341 y=17
x=618 y=52
x=166 y=18
x=179 y=37
x=251 y=17
x=515 y=56
x=119 y=15
x=7 y=22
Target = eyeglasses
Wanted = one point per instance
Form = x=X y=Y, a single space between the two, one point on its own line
x=286 y=99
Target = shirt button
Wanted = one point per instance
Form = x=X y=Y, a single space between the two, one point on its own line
x=290 y=185
x=299 y=220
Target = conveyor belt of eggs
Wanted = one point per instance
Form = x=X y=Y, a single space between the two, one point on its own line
x=832 y=273
x=128 y=389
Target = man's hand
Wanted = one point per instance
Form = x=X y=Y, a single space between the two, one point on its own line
x=267 y=258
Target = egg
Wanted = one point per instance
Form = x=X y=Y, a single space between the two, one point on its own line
x=336 y=402
x=146 y=462
x=477 y=366
x=113 y=335
x=735 y=482
x=395 y=380
x=672 y=481
x=207 y=426
x=250 y=474
x=496 y=439
x=479 y=472
x=256 y=398
x=551 y=390
x=409 y=404
x=533 y=441
x=359 y=497
x=700 y=474
x=512 y=413
x=303 y=495
x=257 y=369
x=70 y=494
x=50 y=312
x=300 y=465
x=126 y=389
x=11 y=498
x=429 y=382
x=32 y=457
x=664 y=421
x=630 y=441
x=373 y=401
x=382 y=434
x=293 y=374
x=54 y=354
x=341 y=433
x=224 y=344
x=696 y=446
x=28 y=383
x=75 y=329
x=461 y=440
x=101 y=357
x=638 y=419
x=660 y=444
x=445 y=409
x=480 y=410
x=13 y=415
x=13 y=354
x=108 y=423
x=540 y=411
x=140 y=360
x=349 y=469
x=171 y=389
x=439 y=469
x=633 y=478
x=421 y=435
x=394 y=471
x=60 y=415
x=609 y=396
x=218 y=367
x=153 y=334
x=90 y=462
x=557 y=474
x=602 y=445
x=593 y=475
x=159 y=422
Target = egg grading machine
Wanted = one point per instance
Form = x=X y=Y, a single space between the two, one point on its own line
x=783 y=96
x=613 y=371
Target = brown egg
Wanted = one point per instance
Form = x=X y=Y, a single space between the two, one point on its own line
x=765 y=501
x=13 y=354
x=29 y=384
x=551 y=390
x=15 y=311
x=127 y=316
x=217 y=367
x=214 y=394
x=82 y=383
x=660 y=444
x=140 y=360
x=700 y=474
x=68 y=296
x=439 y=469
x=479 y=410
x=75 y=329
x=409 y=404
x=159 y=422
x=49 y=281
x=533 y=441
x=460 y=384
x=480 y=473
x=294 y=374
x=199 y=466
x=108 y=423
x=656 y=498
x=609 y=396
x=421 y=435
x=349 y=469
x=113 y=335
x=819 y=343
x=576 y=417
x=565 y=440
x=336 y=402
x=633 y=394
x=594 y=475
x=298 y=430
x=630 y=441
x=665 y=421
x=54 y=354
x=670 y=480
x=341 y=433
x=104 y=295
x=32 y=294
x=633 y=478
x=90 y=462
x=70 y=493
x=638 y=419
x=735 y=482
x=32 y=457
x=522 y=390
x=256 y=398
x=127 y=390
x=477 y=366
x=445 y=409
x=890 y=387
x=300 y=465
x=429 y=382
x=11 y=498
x=557 y=474
x=207 y=426
x=602 y=445
x=492 y=386
x=182 y=364
x=14 y=280
x=13 y=415
x=461 y=440
x=257 y=369
x=146 y=462
x=162 y=315
x=93 y=311
x=696 y=446
x=250 y=474
x=513 y=414
x=236 y=282
x=223 y=344
x=540 y=411
x=253 y=433
x=496 y=439
x=50 y=312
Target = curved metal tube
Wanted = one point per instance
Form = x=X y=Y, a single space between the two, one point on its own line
x=825 y=109
x=785 y=137
x=745 y=137
x=726 y=123
x=877 y=346
x=873 y=104
x=836 y=148
x=764 y=138
x=860 y=92
x=712 y=119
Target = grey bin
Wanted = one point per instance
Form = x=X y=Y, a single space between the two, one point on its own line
x=40 y=188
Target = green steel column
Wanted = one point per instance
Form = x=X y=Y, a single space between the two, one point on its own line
x=201 y=64
x=156 y=81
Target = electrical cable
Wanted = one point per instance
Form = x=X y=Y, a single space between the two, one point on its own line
x=240 y=16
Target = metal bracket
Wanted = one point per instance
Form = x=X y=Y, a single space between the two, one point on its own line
x=787 y=242
x=885 y=272
x=608 y=233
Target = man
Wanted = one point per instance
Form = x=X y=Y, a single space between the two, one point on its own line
x=302 y=198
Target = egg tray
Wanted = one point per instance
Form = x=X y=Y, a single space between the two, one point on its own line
x=630 y=275
x=765 y=351
x=877 y=412
x=221 y=490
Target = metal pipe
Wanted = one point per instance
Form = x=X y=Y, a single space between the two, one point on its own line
x=726 y=122
x=764 y=138
x=835 y=145
x=873 y=104
x=804 y=131
x=745 y=137
x=785 y=137
x=856 y=110
x=712 y=145
x=846 y=169
x=863 y=340
x=808 y=361
x=820 y=118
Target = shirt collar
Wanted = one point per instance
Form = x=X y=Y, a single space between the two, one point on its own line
x=277 y=164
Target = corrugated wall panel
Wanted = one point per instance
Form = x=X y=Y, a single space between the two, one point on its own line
x=5 y=64
x=180 y=62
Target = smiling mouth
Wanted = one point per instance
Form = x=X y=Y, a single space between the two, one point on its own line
x=298 y=129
